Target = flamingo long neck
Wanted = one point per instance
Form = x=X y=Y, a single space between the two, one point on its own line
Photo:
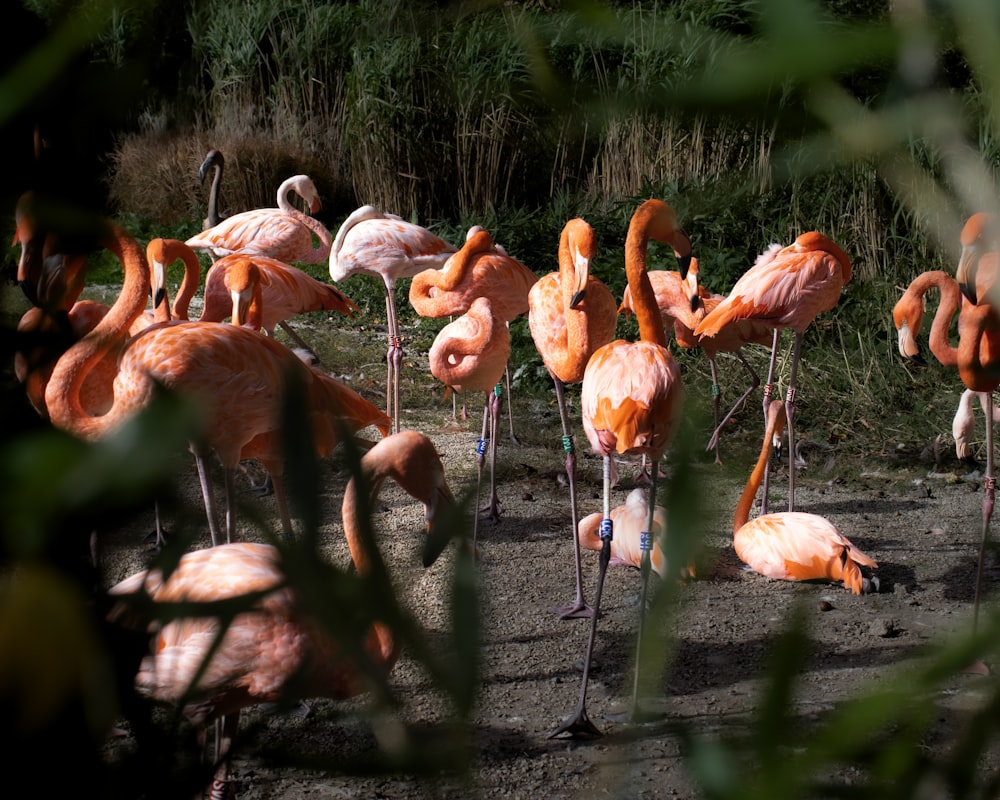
x=948 y=305
x=775 y=424
x=190 y=281
x=574 y=275
x=313 y=224
x=62 y=395
x=454 y=273
x=647 y=312
x=213 y=218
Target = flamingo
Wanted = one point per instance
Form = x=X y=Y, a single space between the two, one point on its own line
x=239 y=378
x=631 y=402
x=793 y=545
x=470 y=354
x=280 y=646
x=683 y=303
x=786 y=288
x=630 y=521
x=980 y=235
x=284 y=232
x=287 y=291
x=479 y=269
x=570 y=315
x=976 y=357
x=215 y=161
x=373 y=242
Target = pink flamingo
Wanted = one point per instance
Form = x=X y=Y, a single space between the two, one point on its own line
x=281 y=644
x=470 y=354
x=631 y=402
x=239 y=377
x=373 y=242
x=284 y=233
x=570 y=315
x=787 y=288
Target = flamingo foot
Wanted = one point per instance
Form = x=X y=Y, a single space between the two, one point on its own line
x=577 y=610
x=263 y=489
x=155 y=540
x=491 y=513
x=578 y=726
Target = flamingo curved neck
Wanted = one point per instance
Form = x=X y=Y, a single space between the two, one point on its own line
x=775 y=425
x=647 y=312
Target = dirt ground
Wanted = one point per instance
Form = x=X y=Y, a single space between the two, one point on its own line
x=918 y=519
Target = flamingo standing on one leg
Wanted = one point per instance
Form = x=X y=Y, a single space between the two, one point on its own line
x=631 y=403
x=787 y=288
x=964 y=423
x=470 y=354
x=570 y=315
x=372 y=242
x=480 y=269
x=284 y=233
x=280 y=645
x=238 y=376
x=793 y=545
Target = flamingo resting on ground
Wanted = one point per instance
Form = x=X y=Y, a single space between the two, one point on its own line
x=470 y=354
x=481 y=268
x=280 y=648
x=373 y=242
x=793 y=545
x=284 y=233
x=570 y=315
x=788 y=287
x=631 y=402
x=630 y=521
x=239 y=377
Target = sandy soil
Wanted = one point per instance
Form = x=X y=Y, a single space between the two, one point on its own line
x=918 y=519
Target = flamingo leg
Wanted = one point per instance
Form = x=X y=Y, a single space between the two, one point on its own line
x=644 y=568
x=716 y=396
x=989 y=497
x=282 y=499
x=768 y=391
x=229 y=475
x=578 y=608
x=790 y=414
x=225 y=732
x=394 y=359
x=288 y=329
x=754 y=383
x=208 y=495
x=578 y=724
x=494 y=404
x=480 y=460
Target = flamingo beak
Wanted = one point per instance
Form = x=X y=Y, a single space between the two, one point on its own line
x=441 y=523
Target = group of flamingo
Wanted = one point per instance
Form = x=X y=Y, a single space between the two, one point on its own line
x=631 y=400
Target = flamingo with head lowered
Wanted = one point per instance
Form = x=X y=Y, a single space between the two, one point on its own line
x=279 y=648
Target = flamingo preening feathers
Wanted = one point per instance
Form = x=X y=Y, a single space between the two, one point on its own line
x=284 y=233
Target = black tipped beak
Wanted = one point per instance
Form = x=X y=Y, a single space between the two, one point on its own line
x=917 y=360
x=577 y=298
x=683 y=263
x=969 y=292
x=29 y=291
x=158 y=297
x=695 y=303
